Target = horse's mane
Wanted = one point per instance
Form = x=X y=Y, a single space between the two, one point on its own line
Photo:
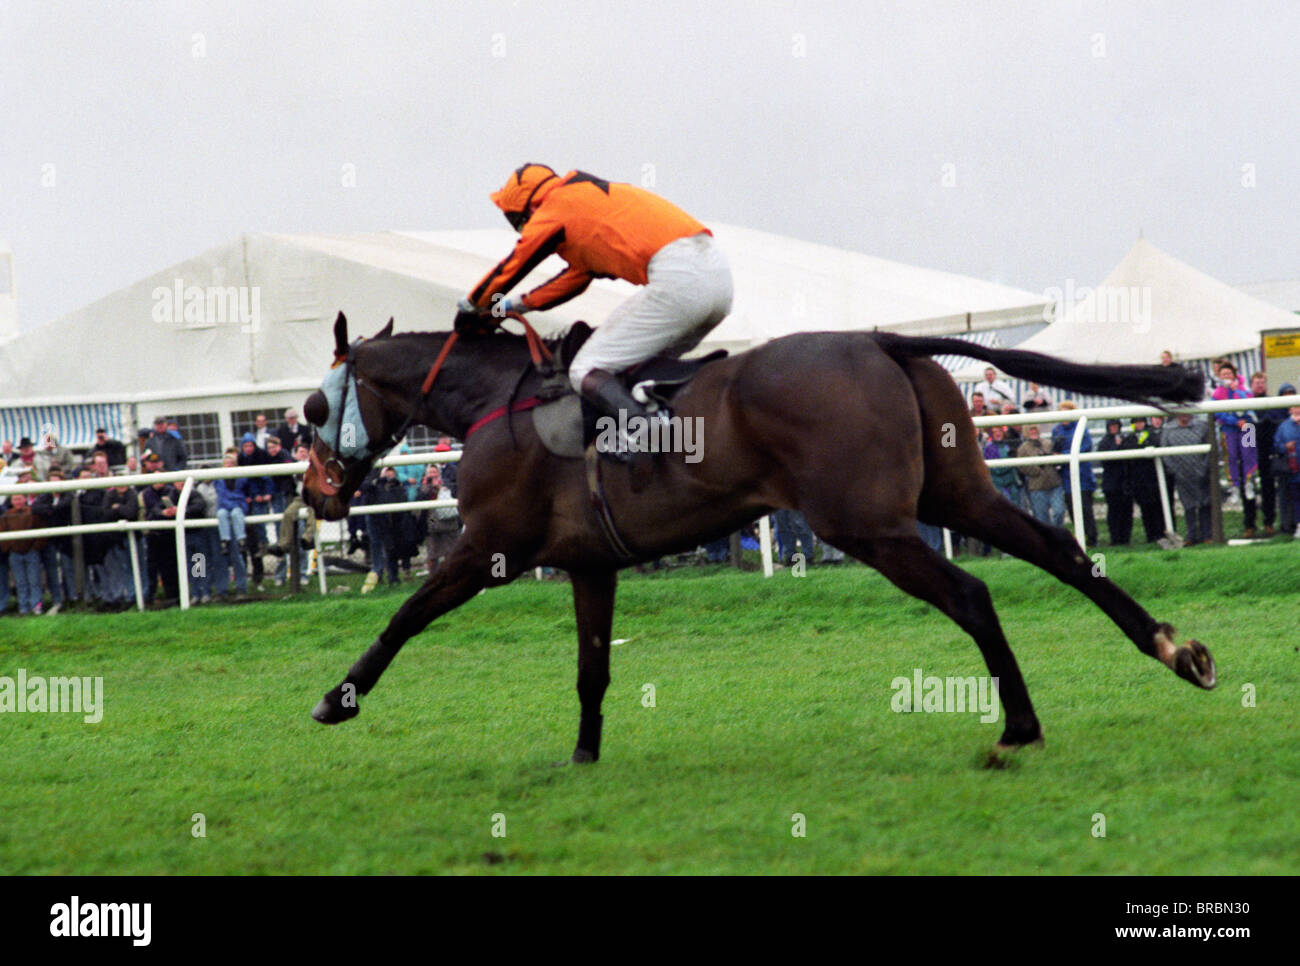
x=501 y=335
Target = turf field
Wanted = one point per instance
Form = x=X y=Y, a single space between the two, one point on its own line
x=772 y=715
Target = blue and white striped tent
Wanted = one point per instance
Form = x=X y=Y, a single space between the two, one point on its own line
x=74 y=426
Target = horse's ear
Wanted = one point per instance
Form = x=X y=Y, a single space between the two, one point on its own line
x=341 y=336
x=386 y=331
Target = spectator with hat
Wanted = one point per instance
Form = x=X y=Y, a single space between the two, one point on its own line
x=23 y=463
x=168 y=445
x=447 y=471
x=1143 y=482
x=150 y=462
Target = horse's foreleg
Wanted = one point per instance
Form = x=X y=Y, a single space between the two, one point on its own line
x=593 y=603
x=463 y=574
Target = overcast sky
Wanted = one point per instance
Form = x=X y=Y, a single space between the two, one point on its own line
x=1023 y=143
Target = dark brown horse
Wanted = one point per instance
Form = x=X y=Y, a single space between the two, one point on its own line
x=861 y=432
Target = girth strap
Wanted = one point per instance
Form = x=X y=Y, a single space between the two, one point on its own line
x=600 y=504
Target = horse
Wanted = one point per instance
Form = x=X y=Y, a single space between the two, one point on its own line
x=862 y=432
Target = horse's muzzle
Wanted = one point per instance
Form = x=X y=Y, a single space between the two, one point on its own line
x=322 y=484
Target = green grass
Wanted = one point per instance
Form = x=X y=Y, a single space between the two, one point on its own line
x=772 y=698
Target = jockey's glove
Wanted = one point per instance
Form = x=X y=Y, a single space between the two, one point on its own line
x=471 y=320
x=503 y=307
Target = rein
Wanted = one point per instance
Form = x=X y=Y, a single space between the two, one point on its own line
x=537 y=349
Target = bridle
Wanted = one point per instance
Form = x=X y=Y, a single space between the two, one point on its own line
x=332 y=471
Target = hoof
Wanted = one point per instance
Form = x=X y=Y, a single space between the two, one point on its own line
x=582 y=756
x=1193 y=662
x=1020 y=730
x=1002 y=748
x=331 y=710
x=1002 y=756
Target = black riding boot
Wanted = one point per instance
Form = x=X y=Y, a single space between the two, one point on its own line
x=606 y=393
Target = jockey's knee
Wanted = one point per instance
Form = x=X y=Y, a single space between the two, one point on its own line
x=578 y=372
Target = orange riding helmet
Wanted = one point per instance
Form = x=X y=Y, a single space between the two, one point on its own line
x=514 y=199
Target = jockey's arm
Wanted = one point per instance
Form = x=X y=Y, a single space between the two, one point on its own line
x=569 y=284
x=537 y=242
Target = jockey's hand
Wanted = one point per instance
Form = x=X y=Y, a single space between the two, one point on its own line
x=471 y=320
x=503 y=307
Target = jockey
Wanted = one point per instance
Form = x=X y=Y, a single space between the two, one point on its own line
x=607 y=229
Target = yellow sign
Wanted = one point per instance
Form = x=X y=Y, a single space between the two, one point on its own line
x=1276 y=346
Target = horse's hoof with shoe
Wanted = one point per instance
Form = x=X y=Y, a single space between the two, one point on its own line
x=1191 y=661
x=1194 y=662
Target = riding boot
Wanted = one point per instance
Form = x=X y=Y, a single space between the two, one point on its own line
x=604 y=390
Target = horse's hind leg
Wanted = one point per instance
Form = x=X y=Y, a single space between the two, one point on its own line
x=958 y=494
x=916 y=569
x=994 y=519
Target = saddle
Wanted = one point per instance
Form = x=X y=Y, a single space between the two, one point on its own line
x=566 y=422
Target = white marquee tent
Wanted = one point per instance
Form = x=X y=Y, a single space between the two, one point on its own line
x=249 y=324
x=1150 y=302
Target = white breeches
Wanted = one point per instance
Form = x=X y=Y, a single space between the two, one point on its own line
x=688 y=292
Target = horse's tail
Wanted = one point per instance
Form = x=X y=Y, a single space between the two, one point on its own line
x=1141 y=384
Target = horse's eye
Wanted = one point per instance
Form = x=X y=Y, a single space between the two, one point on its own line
x=316 y=410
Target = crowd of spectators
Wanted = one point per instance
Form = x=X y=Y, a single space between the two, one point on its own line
x=1261 y=449
x=1258 y=447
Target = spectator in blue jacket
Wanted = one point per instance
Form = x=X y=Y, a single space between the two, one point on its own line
x=260 y=491
x=232 y=507
x=410 y=475
x=1286 y=441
